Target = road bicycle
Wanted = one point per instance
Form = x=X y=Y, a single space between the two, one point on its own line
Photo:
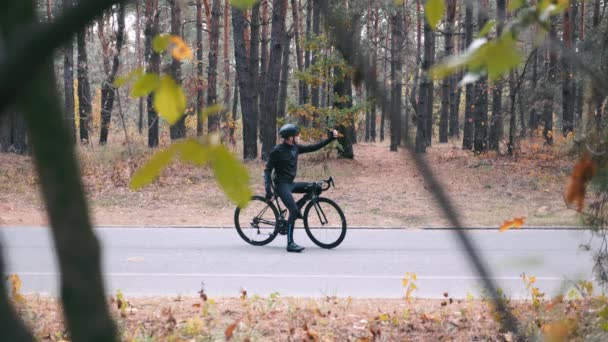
x=263 y=220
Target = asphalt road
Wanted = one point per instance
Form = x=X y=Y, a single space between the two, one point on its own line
x=370 y=263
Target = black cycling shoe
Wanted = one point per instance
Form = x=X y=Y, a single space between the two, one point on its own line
x=294 y=248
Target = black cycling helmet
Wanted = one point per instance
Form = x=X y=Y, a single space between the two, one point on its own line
x=289 y=130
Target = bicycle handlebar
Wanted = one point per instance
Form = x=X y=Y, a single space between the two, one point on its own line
x=327 y=183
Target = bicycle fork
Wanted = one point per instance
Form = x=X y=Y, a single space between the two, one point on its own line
x=320 y=212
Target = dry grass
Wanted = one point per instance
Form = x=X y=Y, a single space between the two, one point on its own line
x=275 y=318
x=378 y=188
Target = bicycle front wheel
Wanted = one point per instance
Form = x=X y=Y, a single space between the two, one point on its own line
x=257 y=222
x=324 y=223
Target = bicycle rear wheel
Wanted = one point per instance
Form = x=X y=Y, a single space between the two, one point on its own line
x=324 y=223
x=256 y=224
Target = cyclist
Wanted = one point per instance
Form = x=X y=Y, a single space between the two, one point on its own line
x=283 y=160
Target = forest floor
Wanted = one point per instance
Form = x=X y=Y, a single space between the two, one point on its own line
x=274 y=318
x=377 y=189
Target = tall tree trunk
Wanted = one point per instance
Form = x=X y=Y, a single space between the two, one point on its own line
x=385 y=77
x=396 y=77
x=140 y=108
x=5 y=132
x=367 y=84
x=253 y=70
x=199 y=68
x=551 y=78
x=343 y=87
x=512 y=115
x=227 y=91
x=295 y=11
x=284 y=76
x=469 y=128
x=263 y=74
x=307 y=56
x=566 y=70
x=177 y=130
x=108 y=90
x=447 y=84
x=49 y=11
x=213 y=121
x=279 y=12
x=84 y=90
x=480 y=142
x=68 y=79
x=496 y=123
x=152 y=66
x=456 y=92
x=246 y=84
x=425 y=103
x=316 y=30
x=84 y=306
x=533 y=120
x=372 y=118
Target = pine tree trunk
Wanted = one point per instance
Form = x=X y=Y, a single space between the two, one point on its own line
x=496 y=123
x=396 y=77
x=551 y=78
x=152 y=66
x=447 y=83
x=140 y=108
x=263 y=74
x=199 y=68
x=213 y=121
x=246 y=84
x=480 y=142
x=533 y=120
x=178 y=130
x=385 y=77
x=372 y=118
x=307 y=56
x=227 y=91
x=295 y=10
x=456 y=92
x=316 y=31
x=284 y=76
x=566 y=70
x=108 y=90
x=279 y=12
x=469 y=128
x=426 y=92
x=512 y=115
x=68 y=79
x=254 y=71
x=84 y=90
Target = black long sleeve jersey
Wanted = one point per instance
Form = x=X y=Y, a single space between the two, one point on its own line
x=283 y=160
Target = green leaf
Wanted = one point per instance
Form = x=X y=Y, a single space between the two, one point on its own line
x=145 y=85
x=169 y=100
x=122 y=80
x=161 y=42
x=516 y=4
x=486 y=28
x=501 y=57
x=211 y=110
x=232 y=176
x=242 y=4
x=191 y=151
x=152 y=169
x=434 y=9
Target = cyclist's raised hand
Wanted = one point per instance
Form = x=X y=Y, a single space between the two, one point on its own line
x=332 y=133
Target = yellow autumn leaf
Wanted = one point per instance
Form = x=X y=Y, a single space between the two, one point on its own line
x=169 y=100
x=181 y=50
x=514 y=223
